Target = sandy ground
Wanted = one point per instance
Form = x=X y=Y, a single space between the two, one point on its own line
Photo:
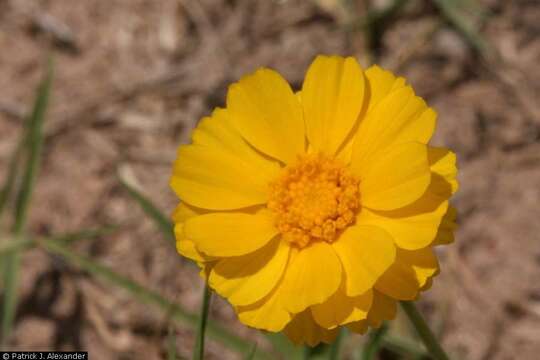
x=133 y=78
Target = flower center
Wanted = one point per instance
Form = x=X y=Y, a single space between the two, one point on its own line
x=314 y=199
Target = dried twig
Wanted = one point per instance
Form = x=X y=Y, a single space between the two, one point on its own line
x=13 y=111
x=59 y=31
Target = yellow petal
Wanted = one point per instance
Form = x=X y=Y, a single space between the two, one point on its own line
x=397 y=178
x=244 y=280
x=341 y=309
x=380 y=83
x=383 y=308
x=186 y=247
x=303 y=330
x=412 y=227
x=443 y=163
x=230 y=234
x=446 y=229
x=427 y=285
x=400 y=117
x=312 y=276
x=266 y=314
x=218 y=131
x=416 y=225
x=366 y=252
x=210 y=178
x=266 y=112
x=344 y=155
x=332 y=97
x=408 y=274
x=182 y=212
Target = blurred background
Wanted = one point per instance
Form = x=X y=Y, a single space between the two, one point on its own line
x=133 y=77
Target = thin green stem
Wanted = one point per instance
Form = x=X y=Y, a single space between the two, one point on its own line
x=424 y=331
x=198 y=353
x=374 y=343
x=404 y=348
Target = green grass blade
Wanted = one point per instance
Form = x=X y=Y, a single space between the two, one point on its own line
x=374 y=343
x=252 y=352
x=198 y=353
x=150 y=297
x=171 y=344
x=285 y=347
x=8 y=245
x=375 y=23
x=9 y=183
x=72 y=237
x=33 y=142
x=452 y=11
x=10 y=281
x=163 y=222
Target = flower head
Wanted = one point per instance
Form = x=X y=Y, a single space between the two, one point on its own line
x=319 y=209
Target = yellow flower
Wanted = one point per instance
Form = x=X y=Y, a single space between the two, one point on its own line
x=319 y=209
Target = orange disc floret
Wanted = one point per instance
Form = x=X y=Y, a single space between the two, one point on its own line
x=314 y=199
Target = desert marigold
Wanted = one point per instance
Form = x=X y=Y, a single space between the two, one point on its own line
x=314 y=210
